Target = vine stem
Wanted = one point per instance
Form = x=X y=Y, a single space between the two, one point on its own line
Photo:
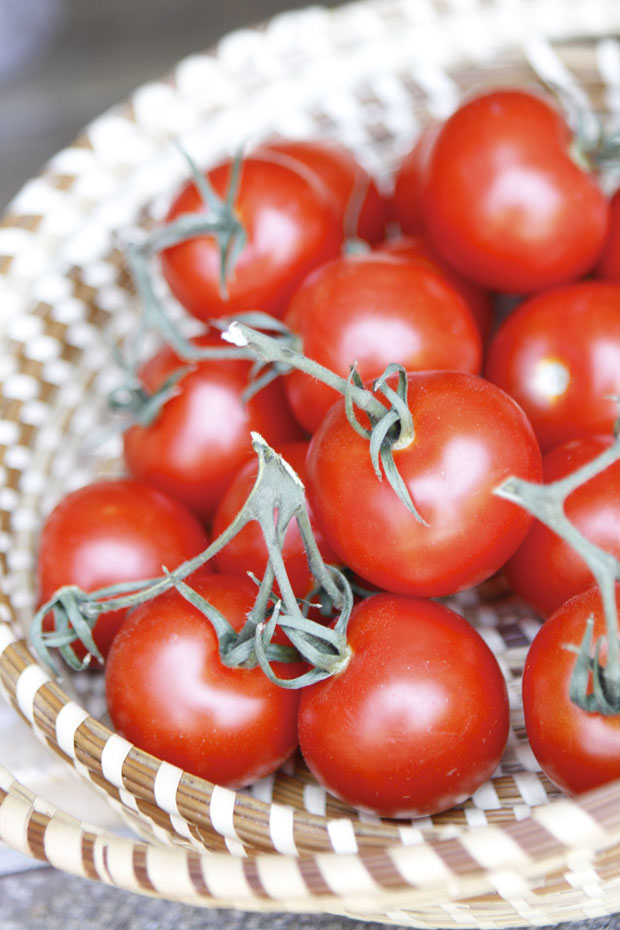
x=277 y=497
x=546 y=503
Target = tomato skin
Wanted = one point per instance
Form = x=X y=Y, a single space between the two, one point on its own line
x=374 y=309
x=578 y=750
x=558 y=355
x=201 y=437
x=247 y=551
x=110 y=532
x=469 y=437
x=608 y=267
x=169 y=693
x=410 y=180
x=503 y=200
x=345 y=178
x=545 y=571
x=292 y=225
x=416 y=248
x=417 y=721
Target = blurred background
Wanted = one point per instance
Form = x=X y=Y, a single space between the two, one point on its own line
x=62 y=62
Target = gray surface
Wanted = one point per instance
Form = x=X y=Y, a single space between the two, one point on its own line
x=99 y=52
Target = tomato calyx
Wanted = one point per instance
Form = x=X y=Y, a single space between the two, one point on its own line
x=276 y=498
x=594 y=686
x=391 y=427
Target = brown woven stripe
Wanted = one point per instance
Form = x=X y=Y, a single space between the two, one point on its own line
x=88 y=855
x=381 y=868
x=251 y=873
x=194 y=868
x=35 y=834
x=140 y=868
x=533 y=838
x=313 y=877
x=456 y=857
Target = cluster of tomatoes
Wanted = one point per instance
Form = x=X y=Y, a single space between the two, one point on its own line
x=494 y=202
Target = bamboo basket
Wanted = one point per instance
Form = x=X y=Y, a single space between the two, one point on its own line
x=370 y=74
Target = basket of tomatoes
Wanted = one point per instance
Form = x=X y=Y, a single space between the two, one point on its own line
x=310 y=383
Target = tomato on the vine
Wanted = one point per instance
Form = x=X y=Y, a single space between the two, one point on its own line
x=558 y=355
x=109 y=532
x=373 y=309
x=577 y=749
x=418 y=719
x=505 y=202
x=169 y=693
x=292 y=225
x=469 y=437
x=545 y=570
x=201 y=436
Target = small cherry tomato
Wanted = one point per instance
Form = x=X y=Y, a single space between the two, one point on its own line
x=201 y=436
x=110 y=532
x=372 y=310
x=558 y=355
x=577 y=749
x=364 y=211
x=545 y=570
x=469 y=437
x=418 y=719
x=169 y=693
x=292 y=226
x=608 y=267
x=504 y=201
x=409 y=182
x=247 y=551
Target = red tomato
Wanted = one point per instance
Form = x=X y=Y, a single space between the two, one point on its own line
x=375 y=309
x=350 y=184
x=577 y=749
x=409 y=182
x=609 y=263
x=110 y=532
x=505 y=202
x=558 y=355
x=469 y=437
x=201 y=436
x=418 y=719
x=545 y=571
x=292 y=225
x=417 y=249
x=247 y=551
x=170 y=695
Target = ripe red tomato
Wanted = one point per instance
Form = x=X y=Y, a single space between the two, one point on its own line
x=409 y=182
x=110 y=532
x=505 y=202
x=558 y=355
x=418 y=719
x=350 y=184
x=201 y=436
x=417 y=249
x=545 y=571
x=469 y=437
x=375 y=309
x=292 y=225
x=608 y=267
x=169 y=693
x=247 y=551
x=577 y=749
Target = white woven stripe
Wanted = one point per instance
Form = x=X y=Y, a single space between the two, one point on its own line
x=221 y=812
x=348 y=878
x=225 y=878
x=420 y=866
x=531 y=788
x=68 y=720
x=165 y=787
x=7 y=637
x=569 y=824
x=494 y=849
x=114 y=754
x=13 y=817
x=315 y=799
x=63 y=846
x=342 y=836
x=281 y=822
x=281 y=878
x=28 y=683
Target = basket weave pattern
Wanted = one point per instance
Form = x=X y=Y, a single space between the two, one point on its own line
x=369 y=74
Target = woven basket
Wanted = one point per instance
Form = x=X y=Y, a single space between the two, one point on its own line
x=369 y=74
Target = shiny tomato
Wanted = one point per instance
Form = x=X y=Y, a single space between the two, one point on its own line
x=169 y=693
x=201 y=436
x=558 y=355
x=247 y=551
x=418 y=719
x=110 y=532
x=577 y=749
x=545 y=570
x=372 y=310
x=363 y=209
x=469 y=437
x=292 y=225
x=409 y=182
x=505 y=202
x=608 y=267
x=418 y=249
